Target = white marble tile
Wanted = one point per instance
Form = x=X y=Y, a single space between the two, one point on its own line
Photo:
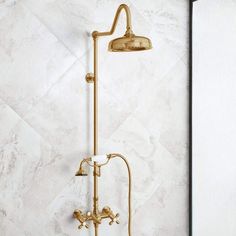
x=23 y=152
x=66 y=121
x=72 y=22
x=46 y=117
x=146 y=155
x=8 y=120
x=32 y=59
x=163 y=109
x=169 y=20
x=5 y=7
x=63 y=115
x=161 y=215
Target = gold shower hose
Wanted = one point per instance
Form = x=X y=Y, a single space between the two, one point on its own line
x=113 y=155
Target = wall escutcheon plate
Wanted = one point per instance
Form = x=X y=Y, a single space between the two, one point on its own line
x=89 y=77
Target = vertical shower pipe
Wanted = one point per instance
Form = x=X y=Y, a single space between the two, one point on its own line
x=95 y=141
x=95 y=35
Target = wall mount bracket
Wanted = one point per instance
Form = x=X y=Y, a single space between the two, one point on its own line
x=89 y=78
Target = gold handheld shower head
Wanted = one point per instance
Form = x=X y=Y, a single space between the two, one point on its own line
x=81 y=171
x=100 y=160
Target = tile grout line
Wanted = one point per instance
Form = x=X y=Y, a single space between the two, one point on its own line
x=146 y=20
x=49 y=29
x=21 y=119
x=132 y=112
x=141 y=14
x=52 y=86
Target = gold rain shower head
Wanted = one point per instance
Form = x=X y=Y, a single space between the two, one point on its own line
x=130 y=43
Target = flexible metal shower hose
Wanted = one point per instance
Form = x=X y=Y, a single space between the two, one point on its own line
x=129 y=192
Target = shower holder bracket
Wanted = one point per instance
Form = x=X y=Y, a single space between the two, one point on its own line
x=90 y=78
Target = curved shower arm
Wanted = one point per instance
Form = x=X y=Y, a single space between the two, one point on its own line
x=128 y=22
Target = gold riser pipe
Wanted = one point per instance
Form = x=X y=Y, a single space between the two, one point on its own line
x=95 y=142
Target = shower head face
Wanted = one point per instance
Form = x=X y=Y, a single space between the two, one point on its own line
x=81 y=172
x=130 y=43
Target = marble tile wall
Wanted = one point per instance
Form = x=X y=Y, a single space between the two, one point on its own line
x=46 y=116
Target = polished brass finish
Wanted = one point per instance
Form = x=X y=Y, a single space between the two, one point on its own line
x=95 y=135
x=113 y=155
x=81 y=171
x=90 y=77
x=84 y=218
x=98 y=216
x=108 y=212
x=81 y=218
x=114 y=24
x=129 y=42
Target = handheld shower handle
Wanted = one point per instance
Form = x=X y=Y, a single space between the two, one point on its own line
x=99 y=158
x=81 y=218
x=109 y=213
x=115 y=219
x=84 y=224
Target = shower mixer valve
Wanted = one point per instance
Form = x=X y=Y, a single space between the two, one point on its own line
x=106 y=213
